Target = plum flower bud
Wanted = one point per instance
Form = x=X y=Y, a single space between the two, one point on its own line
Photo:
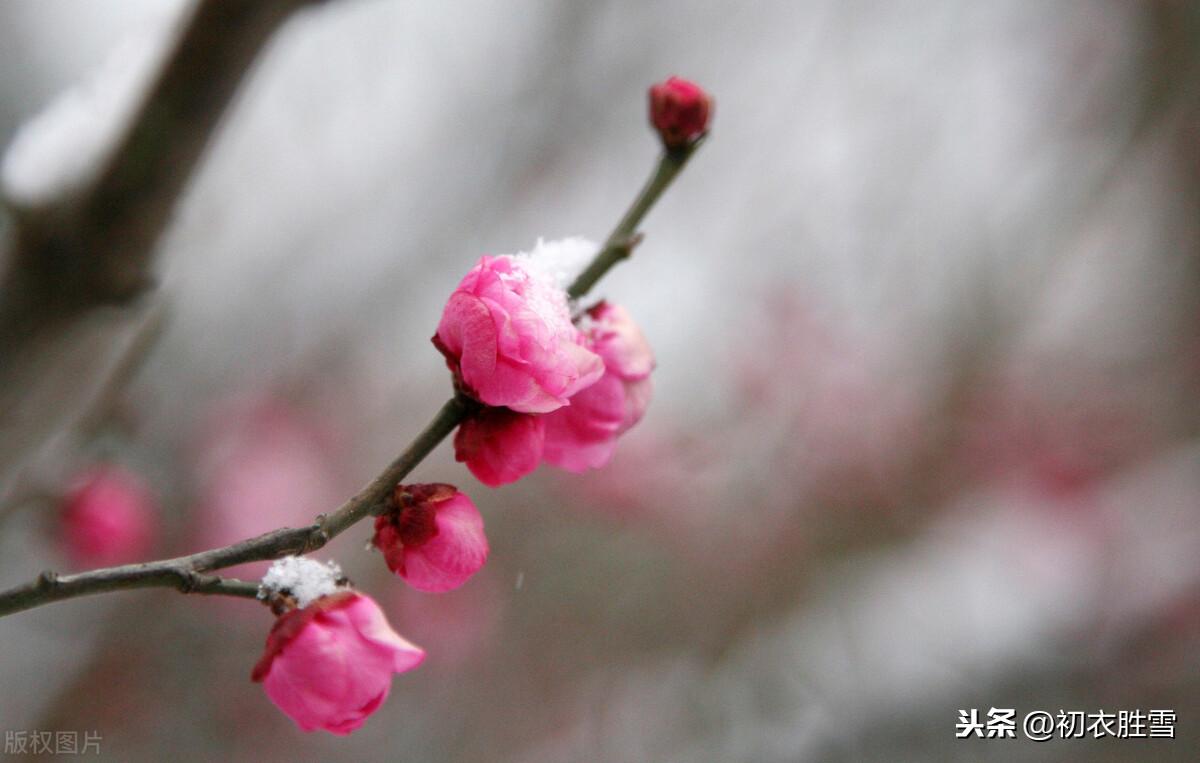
x=584 y=434
x=500 y=446
x=507 y=336
x=432 y=537
x=108 y=517
x=328 y=663
x=679 y=110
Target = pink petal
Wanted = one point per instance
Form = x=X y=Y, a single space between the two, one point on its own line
x=619 y=340
x=331 y=666
x=500 y=446
x=456 y=553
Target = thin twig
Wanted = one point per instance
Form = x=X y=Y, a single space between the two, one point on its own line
x=622 y=240
x=186 y=573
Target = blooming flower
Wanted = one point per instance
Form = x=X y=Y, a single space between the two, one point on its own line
x=433 y=537
x=585 y=433
x=108 y=517
x=507 y=336
x=328 y=664
x=679 y=110
x=500 y=446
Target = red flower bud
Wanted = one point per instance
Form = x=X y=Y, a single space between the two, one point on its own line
x=432 y=537
x=679 y=110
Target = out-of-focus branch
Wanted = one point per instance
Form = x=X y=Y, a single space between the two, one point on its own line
x=185 y=573
x=94 y=246
x=97 y=411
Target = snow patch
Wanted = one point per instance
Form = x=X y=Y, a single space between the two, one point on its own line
x=62 y=148
x=305 y=579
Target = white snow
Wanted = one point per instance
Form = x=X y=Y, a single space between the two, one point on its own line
x=305 y=579
x=559 y=261
x=62 y=148
x=547 y=271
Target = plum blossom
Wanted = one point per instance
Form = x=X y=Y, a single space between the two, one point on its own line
x=679 y=110
x=108 y=517
x=584 y=434
x=553 y=388
x=328 y=663
x=507 y=335
x=500 y=446
x=433 y=537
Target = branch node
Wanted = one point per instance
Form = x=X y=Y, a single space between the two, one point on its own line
x=626 y=247
x=318 y=536
x=48 y=580
x=188 y=580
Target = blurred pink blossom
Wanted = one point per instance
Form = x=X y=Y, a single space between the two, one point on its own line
x=109 y=517
x=262 y=464
x=1055 y=436
x=462 y=626
x=329 y=665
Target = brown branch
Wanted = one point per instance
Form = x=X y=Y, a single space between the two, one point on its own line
x=94 y=246
x=185 y=573
x=23 y=491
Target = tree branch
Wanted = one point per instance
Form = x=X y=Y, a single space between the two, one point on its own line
x=185 y=573
x=50 y=587
x=623 y=239
x=94 y=246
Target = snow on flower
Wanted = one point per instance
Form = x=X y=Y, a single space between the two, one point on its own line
x=328 y=665
x=507 y=335
x=108 y=517
x=304 y=579
x=433 y=537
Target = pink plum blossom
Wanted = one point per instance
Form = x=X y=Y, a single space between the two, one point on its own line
x=433 y=537
x=329 y=665
x=500 y=446
x=108 y=517
x=507 y=336
x=584 y=434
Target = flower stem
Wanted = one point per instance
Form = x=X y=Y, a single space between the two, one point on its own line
x=622 y=239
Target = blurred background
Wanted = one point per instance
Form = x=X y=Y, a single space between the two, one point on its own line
x=925 y=434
